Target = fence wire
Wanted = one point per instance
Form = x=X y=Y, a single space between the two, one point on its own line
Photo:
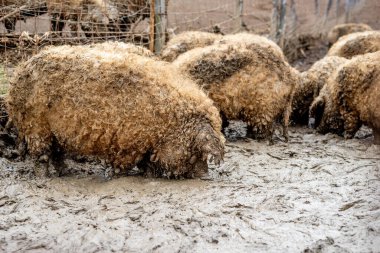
x=28 y=25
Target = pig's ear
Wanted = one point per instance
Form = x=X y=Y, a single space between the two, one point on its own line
x=316 y=111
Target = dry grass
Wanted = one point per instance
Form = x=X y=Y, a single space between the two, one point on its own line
x=186 y=41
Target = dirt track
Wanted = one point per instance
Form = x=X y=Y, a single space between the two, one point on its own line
x=318 y=193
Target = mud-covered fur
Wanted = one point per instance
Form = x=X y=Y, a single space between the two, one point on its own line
x=252 y=40
x=126 y=108
x=350 y=98
x=122 y=48
x=343 y=29
x=354 y=44
x=311 y=82
x=186 y=41
x=247 y=82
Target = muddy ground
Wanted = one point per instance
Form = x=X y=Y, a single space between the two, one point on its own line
x=317 y=193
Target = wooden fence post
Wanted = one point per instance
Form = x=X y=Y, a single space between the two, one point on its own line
x=337 y=9
x=349 y=6
x=294 y=19
x=282 y=25
x=151 y=26
x=328 y=8
x=274 y=20
x=160 y=25
x=316 y=7
x=278 y=21
x=239 y=15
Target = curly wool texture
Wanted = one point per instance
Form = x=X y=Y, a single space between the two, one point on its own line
x=128 y=109
x=186 y=41
x=354 y=44
x=122 y=48
x=249 y=83
x=252 y=40
x=343 y=29
x=310 y=85
x=350 y=98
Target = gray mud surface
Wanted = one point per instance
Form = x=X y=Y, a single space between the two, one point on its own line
x=317 y=193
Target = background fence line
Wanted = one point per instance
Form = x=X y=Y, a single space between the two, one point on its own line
x=150 y=22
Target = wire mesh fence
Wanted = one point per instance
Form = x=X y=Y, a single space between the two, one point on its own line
x=295 y=25
x=28 y=25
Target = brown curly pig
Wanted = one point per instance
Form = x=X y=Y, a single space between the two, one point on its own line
x=186 y=41
x=343 y=29
x=247 y=82
x=122 y=48
x=350 y=98
x=310 y=84
x=128 y=109
x=354 y=44
x=249 y=39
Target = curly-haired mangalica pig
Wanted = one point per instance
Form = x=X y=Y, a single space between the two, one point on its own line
x=125 y=108
x=310 y=84
x=252 y=40
x=246 y=81
x=186 y=41
x=350 y=98
x=354 y=44
x=122 y=48
x=343 y=29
